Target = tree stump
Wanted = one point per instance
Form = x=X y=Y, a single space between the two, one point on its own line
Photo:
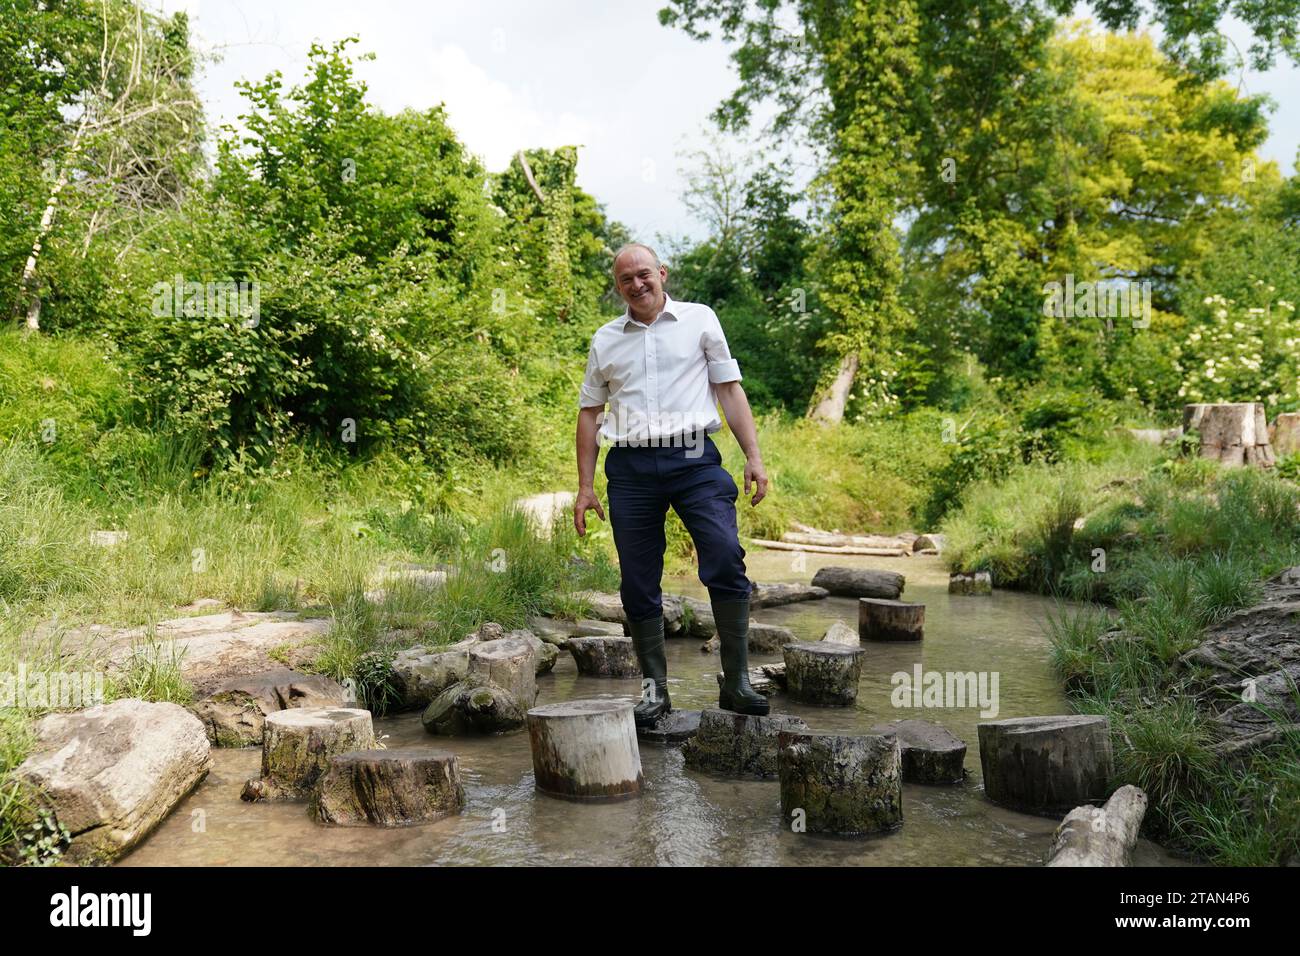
x=508 y=663
x=1284 y=434
x=297 y=747
x=880 y=619
x=823 y=674
x=768 y=638
x=859 y=582
x=604 y=656
x=388 y=788
x=1234 y=433
x=585 y=750
x=736 y=744
x=1046 y=765
x=930 y=753
x=836 y=783
x=1106 y=836
x=977 y=582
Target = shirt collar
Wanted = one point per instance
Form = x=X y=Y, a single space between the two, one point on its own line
x=667 y=313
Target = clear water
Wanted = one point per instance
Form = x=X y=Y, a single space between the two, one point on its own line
x=682 y=817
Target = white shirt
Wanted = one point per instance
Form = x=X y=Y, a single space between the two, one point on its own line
x=658 y=378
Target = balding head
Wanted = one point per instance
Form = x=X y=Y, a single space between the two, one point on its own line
x=639 y=277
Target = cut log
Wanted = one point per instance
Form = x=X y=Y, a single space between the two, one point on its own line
x=1046 y=765
x=975 y=583
x=836 y=783
x=768 y=638
x=827 y=549
x=772 y=595
x=1105 y=836
x=585 y=750
x=822 y=674
x=298 y=745
x=880 y=619
x=1284 y=434
x=736 y=744
x=604 y=656
x=1233 y=433
x=931 y=754
x=826 y=538
x=234 y=714
x=388 y=788
x=859 y=582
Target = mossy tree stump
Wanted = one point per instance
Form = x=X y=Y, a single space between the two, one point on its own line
x=880 y=619
x=838 y=783
x=297 y=746
x=822 y=673
x=585 y=750
x=388 y=788
x=604 y=656
x=1046 y=765
x=737 y=744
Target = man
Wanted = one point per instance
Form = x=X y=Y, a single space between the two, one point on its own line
x=663 y=366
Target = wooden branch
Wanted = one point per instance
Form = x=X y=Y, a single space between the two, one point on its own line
x=528 y=174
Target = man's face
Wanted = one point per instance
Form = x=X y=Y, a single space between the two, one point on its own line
x=640 y=282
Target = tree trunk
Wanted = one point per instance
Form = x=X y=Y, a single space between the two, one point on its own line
x=829 y=407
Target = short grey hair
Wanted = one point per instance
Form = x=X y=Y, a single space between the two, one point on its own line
x=634 y=245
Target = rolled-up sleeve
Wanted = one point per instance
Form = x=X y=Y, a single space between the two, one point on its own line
x=595 y=390
x=722 y=367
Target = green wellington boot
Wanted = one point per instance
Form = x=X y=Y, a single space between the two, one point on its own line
x=736 y=695
x=648 y=641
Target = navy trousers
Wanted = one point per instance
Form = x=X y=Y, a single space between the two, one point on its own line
x=642 y=482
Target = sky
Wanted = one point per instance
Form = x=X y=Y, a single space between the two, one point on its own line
x=600 y=74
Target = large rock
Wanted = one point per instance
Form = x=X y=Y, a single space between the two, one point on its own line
x=930 y=753
x=608 y=606
x=557 y=631
x=499 y=687
x=736 y=744
x=235 y=712
x=1046 y=765
x=859 y=582
x=1100 y=836
x=388 y=788
x=423 y=673
x=111 y=773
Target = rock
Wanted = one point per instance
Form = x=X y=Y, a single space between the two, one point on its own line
x=558 y=631
x=931 y=754
x=234 y=714
x=500 y=685
x=835 y=783
x=768 y=638
x=825 y=675
x=775 y=594
x=672 y=728
x=1233 y=433
x=929 y=542
x=701 y=618
x=544 y=509
x=1046 y=765
x=605 y=606
x=604 y=656
x=213 y=648
x=585 y=750
x=298 y=745
x=388 y=788
x=737 y=744
x=110 y=773
x=859 y=582
x=1092 y=836
x=767 y=679
x=423 y=673
x=1284 y=434
x=507 y=663
x=977 y=582
x=841 y=633
x=880 y=619
x=1155 y=436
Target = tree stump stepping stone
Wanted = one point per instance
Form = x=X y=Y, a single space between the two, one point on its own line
x=880 y=619
x=737 y=744
x=234 y=714
x=604 y=656
x=822 y=674
x=1046 y=765
x=674 y=727
x=388 y=788
x=298 y=745
x=840 y=783
x=585 y=750
x=768 y=638
x=930 y=753
x=859 y=582
x=978 y=583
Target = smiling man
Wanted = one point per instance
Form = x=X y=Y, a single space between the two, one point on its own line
x=663 y=366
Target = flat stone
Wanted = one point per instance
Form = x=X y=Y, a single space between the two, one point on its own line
x=841 y=633
x=769 y=638
x=930 y=753
x=234 y=714
x=674 y=727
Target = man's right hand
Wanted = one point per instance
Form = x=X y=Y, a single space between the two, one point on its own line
x=586 y=501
